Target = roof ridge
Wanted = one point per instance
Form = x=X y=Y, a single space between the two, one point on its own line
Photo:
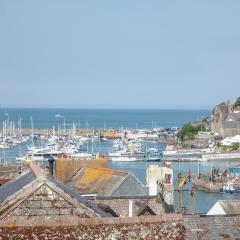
x=38 y=171
x=119 y=184
x=125 y=179
x=107 y=169
x=75 y=176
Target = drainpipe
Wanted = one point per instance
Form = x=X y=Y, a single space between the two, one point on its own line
x=130 y=208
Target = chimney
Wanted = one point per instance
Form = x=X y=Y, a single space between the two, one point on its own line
x=229 y=105
x=51 y=165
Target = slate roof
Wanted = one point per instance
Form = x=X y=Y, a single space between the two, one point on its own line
x=75 y=195
x=130 y=186
x=36 y=173
x=16 y=184
x=107 y=182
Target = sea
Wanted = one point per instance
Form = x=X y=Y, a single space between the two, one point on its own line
x=199 y=203
x=102 y=118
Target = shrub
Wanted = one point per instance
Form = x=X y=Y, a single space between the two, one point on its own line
x=188 y=131
x=237 y=103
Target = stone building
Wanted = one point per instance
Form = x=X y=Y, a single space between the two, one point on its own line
x=160 y=181
x=35 y=196
x=116 y=191
x=225 y=120
x=129 y=206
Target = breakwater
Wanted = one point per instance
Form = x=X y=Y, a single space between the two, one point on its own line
x=204 y=184
x=50 y=131
x=220 y=156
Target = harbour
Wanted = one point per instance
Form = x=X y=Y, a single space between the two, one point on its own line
x=102 y=141
x=119 y=120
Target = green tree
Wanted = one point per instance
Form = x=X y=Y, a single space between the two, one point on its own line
x=188 y=131
x=237 y=103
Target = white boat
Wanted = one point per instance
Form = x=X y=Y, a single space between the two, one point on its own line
x=4 y=146
x=125 y=159
x=82 y=155
x=229 y=188
x=28 y=158
x=115 y=154
x=153 y=154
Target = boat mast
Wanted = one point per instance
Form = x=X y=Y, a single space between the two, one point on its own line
x=32 y=136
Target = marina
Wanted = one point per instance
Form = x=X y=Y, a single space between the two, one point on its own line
x=126 y=149
x=119 y=120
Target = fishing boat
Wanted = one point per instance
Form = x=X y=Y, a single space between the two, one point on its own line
x=229 y=188
x=153 y=155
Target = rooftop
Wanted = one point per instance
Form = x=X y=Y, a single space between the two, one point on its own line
x=19 y=189
x=106 y=182
x=230 y=207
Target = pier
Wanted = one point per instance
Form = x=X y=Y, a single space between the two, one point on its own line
x=204 y=184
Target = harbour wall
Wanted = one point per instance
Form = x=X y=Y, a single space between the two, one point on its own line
x=49 y=131
x=201 y=184
x=216 y=156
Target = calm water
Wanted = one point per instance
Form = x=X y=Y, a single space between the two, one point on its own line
x=95 y=118
x=202 y=201
x=45 y=118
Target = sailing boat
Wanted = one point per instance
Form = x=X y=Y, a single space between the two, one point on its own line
x=31 y=151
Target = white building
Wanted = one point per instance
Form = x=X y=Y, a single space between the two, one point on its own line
x=158 y=177
x=228 y=141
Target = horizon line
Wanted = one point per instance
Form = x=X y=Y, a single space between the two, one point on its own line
x=106 y=108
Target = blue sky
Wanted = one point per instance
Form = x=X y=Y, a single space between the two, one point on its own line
x=119 y=54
